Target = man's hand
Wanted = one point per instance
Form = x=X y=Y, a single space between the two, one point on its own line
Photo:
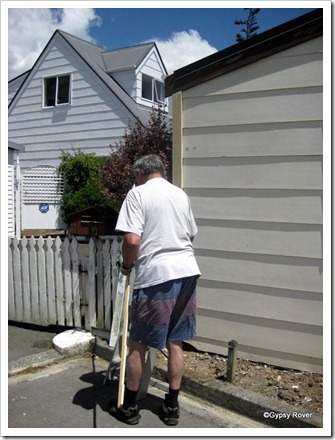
x=126 y=270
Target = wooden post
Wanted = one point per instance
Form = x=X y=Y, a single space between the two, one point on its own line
x=124 y=345
x=231 y=367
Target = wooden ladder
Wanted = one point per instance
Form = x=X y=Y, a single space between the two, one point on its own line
x=118 y=343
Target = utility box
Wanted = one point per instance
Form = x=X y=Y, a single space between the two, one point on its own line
x=93 y=222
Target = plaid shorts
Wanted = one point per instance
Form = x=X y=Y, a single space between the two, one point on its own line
x=164 y=312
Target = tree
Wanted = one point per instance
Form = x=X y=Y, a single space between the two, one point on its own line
x=155 y=137
x=250 y=23
x=82 y=182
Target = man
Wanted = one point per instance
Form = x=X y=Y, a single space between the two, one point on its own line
x=159 y=228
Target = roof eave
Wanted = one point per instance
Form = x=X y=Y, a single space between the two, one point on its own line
x=263 y=45
x=15 y=146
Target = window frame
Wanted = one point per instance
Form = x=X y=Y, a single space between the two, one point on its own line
x=56 y=96
x=154 y=89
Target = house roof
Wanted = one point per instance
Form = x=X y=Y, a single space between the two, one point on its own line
x=126 y=57
x=15 y=146
x=101 y=61
x=20 y=77
x=282 y=37
x=92 y=55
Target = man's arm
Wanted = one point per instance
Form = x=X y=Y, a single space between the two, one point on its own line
x=130 y=249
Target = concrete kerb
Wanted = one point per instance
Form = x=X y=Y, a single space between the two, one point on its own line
x=261 y=408
x=66 y=344
x=235 y=398
x=33 y=361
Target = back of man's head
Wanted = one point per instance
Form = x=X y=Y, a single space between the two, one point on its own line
x=149 y=164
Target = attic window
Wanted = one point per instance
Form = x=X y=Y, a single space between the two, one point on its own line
x=57 y=90
x=152 y=89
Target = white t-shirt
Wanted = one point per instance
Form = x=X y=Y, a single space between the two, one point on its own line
x=160 y=213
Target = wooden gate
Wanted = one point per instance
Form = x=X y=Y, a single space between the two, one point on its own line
x=55 y=282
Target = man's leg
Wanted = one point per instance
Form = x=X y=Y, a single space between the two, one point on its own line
x=135 y=365
x=170 y=406
x=175 y=363
x=128 y=411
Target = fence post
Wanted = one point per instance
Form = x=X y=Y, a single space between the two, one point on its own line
x=67 y=282
x=91 y=285
x=231 y=367
x=59 y=282
x=51 y=287
x=42 y=282
x=11 y=290
x=25 y=280
x=75 y=282
x=107 y=259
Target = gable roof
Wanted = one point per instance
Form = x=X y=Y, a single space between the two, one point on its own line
x=101 y=61
x=126 y=57
x=282 y=37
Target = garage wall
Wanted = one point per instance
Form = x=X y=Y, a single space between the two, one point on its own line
x=250 y=150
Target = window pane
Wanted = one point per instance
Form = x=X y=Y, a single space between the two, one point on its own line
x=63 y=96
x=146 y=87
x=159 y=91
x=50 y=92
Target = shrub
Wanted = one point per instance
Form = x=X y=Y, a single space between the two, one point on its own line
x=153 y=138
x=82 y=182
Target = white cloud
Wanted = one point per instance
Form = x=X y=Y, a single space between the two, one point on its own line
x=29 y=30
x=183 y=48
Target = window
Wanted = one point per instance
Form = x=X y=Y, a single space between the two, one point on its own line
x=152 y=89
x=57 y=91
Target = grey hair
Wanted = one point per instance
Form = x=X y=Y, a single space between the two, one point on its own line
x=152 y=163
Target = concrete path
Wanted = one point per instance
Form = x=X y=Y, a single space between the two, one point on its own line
x=70 y=394
x=58 y=390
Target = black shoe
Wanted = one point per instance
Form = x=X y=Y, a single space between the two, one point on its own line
x=129 y=415
x=170 y=414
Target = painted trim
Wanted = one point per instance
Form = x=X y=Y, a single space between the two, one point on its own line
x=177 y=140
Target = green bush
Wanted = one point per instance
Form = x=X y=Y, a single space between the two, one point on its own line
x=82 y=182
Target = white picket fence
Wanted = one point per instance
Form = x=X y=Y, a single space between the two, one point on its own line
x=55 y=282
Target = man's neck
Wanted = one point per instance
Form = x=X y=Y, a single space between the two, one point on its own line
x=154 y=176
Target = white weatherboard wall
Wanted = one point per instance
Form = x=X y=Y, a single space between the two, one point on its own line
x=152 y=67
x=95 y=120
x=252 y=166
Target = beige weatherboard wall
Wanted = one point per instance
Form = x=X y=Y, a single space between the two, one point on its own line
x=248 y=152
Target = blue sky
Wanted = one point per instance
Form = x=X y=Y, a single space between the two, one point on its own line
x=182 y=34
x=125 y=27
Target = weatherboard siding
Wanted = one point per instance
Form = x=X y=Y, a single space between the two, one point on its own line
x=14 y=85
x=127 y=80
x=252 y=167
x=94 y=120
x=150 y=66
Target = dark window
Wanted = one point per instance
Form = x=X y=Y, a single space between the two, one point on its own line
x=63 y=96
x=50 y=91
x=147 y=87
x=152 y=89
x=57 y=90
x=159 y=91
